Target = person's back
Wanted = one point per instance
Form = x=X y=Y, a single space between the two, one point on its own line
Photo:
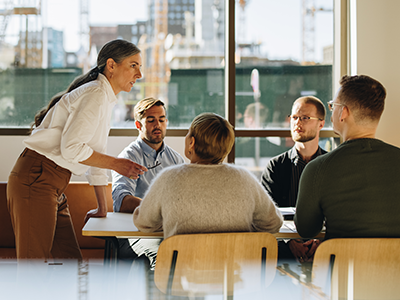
x=208 y=198
x=357 y=188
x=353 y=189
x=207 y=195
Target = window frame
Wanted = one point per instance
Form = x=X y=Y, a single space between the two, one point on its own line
x=340 y=67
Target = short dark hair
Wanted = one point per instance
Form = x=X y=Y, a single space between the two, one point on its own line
x=364 y=95
x=321 y=110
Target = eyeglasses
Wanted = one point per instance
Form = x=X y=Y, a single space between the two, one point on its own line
x=156 y=165
x=331 y=105
x=303 y=119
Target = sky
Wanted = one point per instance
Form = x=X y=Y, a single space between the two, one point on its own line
x=277 y=24
x=281 y=32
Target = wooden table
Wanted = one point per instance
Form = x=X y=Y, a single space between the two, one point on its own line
x=120 y=225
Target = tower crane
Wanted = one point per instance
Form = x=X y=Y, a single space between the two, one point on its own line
x=308 y=30
x=155 y=72
x=6 y=12
x=241 y=36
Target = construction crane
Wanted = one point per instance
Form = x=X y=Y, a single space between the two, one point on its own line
x=84 y=24
x=6 y=12
x=155 y=70
x=308 y=30
x=28 y=50
x=84 y=35
x=241 y=36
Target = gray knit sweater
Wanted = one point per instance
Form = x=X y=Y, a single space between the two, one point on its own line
x=192 y=198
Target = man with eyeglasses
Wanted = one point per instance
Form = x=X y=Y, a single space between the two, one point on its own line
x=149 y=150
x=282 y=174
x=354 y=190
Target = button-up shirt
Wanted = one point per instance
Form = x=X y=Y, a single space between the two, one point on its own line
x=282 y=175
x=75 y=127
x=141 y=153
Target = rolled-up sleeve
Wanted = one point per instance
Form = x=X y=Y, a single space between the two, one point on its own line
x=77 y=126
x=122 y=185
x=97 y=176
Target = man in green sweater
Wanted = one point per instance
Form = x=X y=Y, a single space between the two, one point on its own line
x=355 y=189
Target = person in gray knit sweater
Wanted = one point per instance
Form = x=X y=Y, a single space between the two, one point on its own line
x=207 y=195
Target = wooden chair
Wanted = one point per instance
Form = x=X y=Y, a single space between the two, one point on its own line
x=362 y=268
x=215 y=263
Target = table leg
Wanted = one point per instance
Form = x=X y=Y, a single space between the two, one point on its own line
x=111 y=250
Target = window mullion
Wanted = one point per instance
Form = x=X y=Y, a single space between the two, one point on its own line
x=230 y=68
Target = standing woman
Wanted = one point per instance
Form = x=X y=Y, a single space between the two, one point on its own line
x=70 y=136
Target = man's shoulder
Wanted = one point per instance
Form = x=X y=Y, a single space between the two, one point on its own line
x=133 y=150
x=322 y=161
x=134 y=146
x=281 y=158
x=388 y=146
x=173 y=153
x=322 y=151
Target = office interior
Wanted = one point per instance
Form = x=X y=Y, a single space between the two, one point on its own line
x=366 y=42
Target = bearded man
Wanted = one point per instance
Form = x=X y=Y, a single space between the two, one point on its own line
x=149 y=150
x=282 y=175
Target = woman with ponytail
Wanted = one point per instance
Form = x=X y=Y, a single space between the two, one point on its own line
x=69 y=136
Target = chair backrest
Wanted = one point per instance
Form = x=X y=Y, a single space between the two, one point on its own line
x=215 y=263
x=362 y=268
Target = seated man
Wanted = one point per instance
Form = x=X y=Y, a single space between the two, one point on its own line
x=355 y=188
x=282 y=174
x=148 y=150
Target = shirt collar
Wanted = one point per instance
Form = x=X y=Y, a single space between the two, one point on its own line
x=147 y=149
x=296 y=158
x=110 y=92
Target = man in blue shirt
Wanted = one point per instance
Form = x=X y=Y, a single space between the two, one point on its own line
x=148 y=150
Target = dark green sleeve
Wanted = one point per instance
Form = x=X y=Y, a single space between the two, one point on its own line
x=309 y=217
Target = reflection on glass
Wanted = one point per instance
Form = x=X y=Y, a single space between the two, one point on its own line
x=279 y=55
x=42 y=51
x=291 y=56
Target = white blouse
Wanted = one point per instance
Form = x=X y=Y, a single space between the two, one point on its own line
x=75 y=127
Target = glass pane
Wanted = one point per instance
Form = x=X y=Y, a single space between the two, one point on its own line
x=44 y=45
x=254 y=153
x=183 y=52
x=284 y=51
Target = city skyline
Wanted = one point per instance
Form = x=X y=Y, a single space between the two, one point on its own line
x=279 y=33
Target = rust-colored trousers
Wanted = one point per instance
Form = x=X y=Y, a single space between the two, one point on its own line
x=39 y=210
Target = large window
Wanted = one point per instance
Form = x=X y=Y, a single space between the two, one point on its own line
x=284 y=50
x=281 y=50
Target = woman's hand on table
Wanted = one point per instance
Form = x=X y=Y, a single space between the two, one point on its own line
x=94 y=213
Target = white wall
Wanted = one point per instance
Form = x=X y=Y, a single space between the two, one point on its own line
x=11 y=147
x=378 y=50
